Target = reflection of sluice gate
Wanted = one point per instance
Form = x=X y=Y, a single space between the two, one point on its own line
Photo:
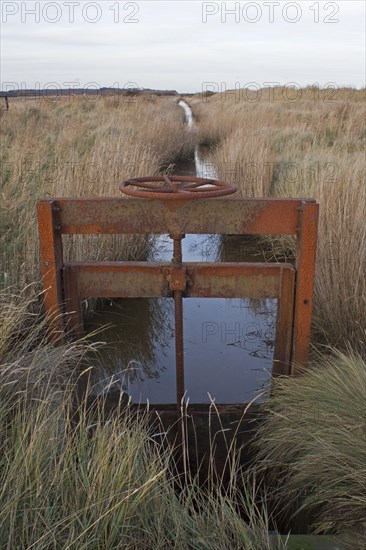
x=292 y=286
x=131 y=330
x=231 y=339
x=255 y=281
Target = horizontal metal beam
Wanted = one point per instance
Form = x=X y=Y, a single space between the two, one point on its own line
x=147 y=280
x=119 y=279
x=236 y=280
x=210 y=216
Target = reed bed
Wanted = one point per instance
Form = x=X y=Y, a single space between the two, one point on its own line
x=74 y=477
x=69 y=479
x=30 y=367
x=79 y=146
x=313 y=446
x=271 y=144
x=108 y=484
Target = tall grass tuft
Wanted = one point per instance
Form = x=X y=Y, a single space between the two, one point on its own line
x=72 y=477
x=312 y=445
x=30 y=367
x=107 y=484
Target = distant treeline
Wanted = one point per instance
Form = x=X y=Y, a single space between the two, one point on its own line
x=85 y=91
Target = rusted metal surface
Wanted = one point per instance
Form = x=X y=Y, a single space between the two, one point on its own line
x=305 y=270
x=72 y=297
x=178 y=284
x=122 y=279
x=176 y=187
x=200 y=280
x=292 y=286
x=235 y=280
x=284 y=327
x=177 y=249
x=213 y=216
x=51 y=265
x=177 y=278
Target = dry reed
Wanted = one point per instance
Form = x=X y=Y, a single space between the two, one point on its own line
x=312 y=146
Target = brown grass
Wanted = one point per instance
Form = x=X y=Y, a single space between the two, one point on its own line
x=64 y=491
x=312 y=147
x=75 y=478
x=312 y=445
x=79 y=147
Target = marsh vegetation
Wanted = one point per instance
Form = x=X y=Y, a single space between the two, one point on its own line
x=312 y=145
x=71 y=480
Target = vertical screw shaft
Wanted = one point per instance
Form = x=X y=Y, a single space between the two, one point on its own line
x=177 y=250
x=178 y=314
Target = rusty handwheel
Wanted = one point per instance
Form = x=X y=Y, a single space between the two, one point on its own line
x=176 y=187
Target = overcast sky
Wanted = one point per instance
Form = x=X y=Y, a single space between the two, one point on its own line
x=181 y=45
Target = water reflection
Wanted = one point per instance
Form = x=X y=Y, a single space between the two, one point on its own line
x=228 y=343
x=137 y=335
x=240 y=248
x=205 y=168
x=228 y=349
x=195 y=248
x=202 y=167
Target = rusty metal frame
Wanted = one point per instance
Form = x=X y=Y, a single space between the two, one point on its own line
x=205 y=280
x=66 y=283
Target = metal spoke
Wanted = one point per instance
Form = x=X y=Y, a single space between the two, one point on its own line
x=182 y=187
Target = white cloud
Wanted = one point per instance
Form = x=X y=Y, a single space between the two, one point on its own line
x=170 y=46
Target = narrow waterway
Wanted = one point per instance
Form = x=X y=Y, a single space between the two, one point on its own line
x=228 y=343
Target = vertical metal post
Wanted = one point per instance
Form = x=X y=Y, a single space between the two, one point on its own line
x=73 y=308
x=178 y=314
x=51 y=263
x=305 y=274
x=284 y=325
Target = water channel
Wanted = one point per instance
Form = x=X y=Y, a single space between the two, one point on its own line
x=228 y=343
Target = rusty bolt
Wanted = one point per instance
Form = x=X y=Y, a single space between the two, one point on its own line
x=178 y=279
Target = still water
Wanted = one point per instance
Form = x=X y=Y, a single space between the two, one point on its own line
x=228 y=343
